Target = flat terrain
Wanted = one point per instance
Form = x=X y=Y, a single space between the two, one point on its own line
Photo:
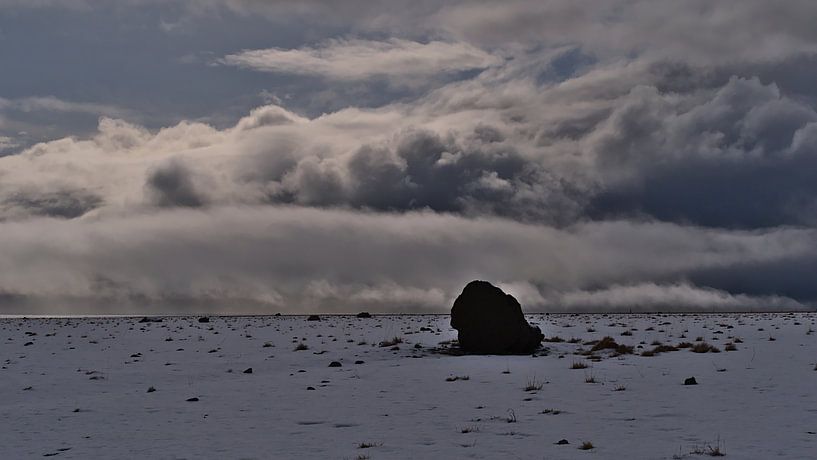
x=79 y=388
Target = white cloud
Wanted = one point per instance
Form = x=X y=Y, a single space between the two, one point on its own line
x=53 y=104
x=354 y=59
x=671 y=297
x=7 y=143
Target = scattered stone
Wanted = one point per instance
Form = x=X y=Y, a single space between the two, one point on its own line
x=489 y=321
x=359 y=361
x=148 y=319
x=313 y=318
x=248 y=370
x=310 y=388
x=204 y=319
x=690 y=381
x=193 y=399
x=562 y=442
x=364 y=314
x=335 y=364
x=151 y=390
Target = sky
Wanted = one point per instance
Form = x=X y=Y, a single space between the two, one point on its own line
x=248 y=156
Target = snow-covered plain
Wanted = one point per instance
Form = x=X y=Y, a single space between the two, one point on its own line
x=78 y=388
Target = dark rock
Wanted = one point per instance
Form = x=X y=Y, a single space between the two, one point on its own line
x=490 y=321
x=335 y=364
x=151 y=389
x=147 y=319
x=364 y=314
x=248 y=370
x=310 y=388
x=313 y=318
x=690 y=381
x=193 y=399
x=204 y=319
x=562 y=442
x=359 y=361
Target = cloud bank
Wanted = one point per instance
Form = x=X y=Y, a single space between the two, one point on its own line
x=295 y=259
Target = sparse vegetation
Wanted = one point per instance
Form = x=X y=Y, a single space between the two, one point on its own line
x=534 y=385
x=608 y=343
x=703 y=347
x=367 y=445
x=578 y=365
x=392 y=342
x=586 y=445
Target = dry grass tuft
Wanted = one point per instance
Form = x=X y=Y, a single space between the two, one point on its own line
x=703 y=347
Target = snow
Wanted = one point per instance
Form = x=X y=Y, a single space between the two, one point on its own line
x=88 y=396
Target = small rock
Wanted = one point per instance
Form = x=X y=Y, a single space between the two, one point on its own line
x=690 y=381
x=193 y=399
x=313 y=318
x=335 y=364
x=364 y=314
x=151 y=390
x=359 y=361
x=204 y=319
x=248 y=370
x=562 y=442
x=310 y=388
x=147 y=319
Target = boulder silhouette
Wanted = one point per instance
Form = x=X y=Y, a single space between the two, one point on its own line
x=489 y=321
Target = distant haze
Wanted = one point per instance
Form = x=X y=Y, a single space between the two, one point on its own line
x=239 y=156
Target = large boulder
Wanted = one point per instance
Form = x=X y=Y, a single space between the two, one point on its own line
x=490 y=321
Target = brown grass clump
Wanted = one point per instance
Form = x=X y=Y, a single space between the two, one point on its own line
x=703 y=347
x=586 y=445
x=609 y=343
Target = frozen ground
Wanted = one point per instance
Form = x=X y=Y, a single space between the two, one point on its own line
x=78 y=388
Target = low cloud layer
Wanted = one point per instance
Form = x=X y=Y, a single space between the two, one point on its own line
x=295 y=259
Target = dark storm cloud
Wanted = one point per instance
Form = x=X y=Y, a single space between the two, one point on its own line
x=172 y=185
x=741 y=159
